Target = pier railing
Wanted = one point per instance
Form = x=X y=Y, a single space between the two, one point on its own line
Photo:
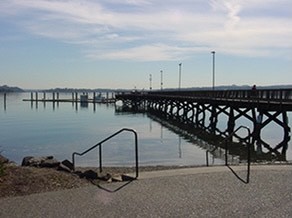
x=99 y=145
x=278 y=95
x=260 y=94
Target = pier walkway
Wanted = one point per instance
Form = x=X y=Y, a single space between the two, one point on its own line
x=192 y=192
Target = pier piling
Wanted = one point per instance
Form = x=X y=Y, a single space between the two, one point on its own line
x=4 y=101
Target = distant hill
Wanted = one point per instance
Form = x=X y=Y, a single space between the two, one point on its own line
x=67 y=90
x=233 y=87
x=6 y=88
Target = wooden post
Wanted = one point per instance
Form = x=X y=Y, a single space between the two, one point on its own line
x=94 y=97
x=31 y=96
x=36 y=96
x=57 y=95
x=257 y=132
x=76 y=96
x=44 y=96
x=94 y=107
x=4 y=101
x=287 y=137
x=53 y=96
x=213 y=120
x=231 y=124
x=72 y=96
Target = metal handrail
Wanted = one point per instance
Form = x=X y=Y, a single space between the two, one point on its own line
x=100 y=150
x=248 y=153
x=207 y=155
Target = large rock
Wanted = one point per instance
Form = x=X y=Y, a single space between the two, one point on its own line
x=89 y=174
x=47 y=161
x=66 y=166
x=3 y=159
x=50 y=163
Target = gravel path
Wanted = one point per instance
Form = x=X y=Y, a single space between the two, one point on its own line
x=194 y=192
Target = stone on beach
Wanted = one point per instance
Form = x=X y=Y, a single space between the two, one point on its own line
x=45 y=161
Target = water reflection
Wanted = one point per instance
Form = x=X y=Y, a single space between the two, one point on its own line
x=189 y=136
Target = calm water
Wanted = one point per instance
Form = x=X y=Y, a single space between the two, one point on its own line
x=50 y=129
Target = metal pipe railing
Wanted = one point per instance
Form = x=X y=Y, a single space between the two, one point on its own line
x=100 y=150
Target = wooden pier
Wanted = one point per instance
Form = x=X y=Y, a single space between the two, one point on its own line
x=204 y=109
x=76 y=97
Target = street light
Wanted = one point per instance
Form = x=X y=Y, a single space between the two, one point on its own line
x=179 y=79
x=161 y=72
x=150 y=80
x=213 y=53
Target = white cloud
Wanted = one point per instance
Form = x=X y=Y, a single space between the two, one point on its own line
x=154 y=30
x=155 y=52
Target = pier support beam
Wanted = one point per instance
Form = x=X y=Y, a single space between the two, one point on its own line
x=206 y=114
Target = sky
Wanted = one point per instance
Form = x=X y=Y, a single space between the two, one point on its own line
x=120 y=43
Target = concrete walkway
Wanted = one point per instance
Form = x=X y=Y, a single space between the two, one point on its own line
x=194 y=192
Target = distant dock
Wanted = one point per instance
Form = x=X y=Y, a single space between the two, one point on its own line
x=75 y=97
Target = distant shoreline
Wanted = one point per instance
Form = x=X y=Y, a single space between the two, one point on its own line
x=7 y=89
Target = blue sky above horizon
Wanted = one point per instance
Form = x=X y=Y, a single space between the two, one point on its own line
x=119 y=43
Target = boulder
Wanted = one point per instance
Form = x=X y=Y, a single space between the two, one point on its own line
x=64 y=168
x=105 y=177
x=68 y=164
x=27 y=161
x=127 y=178
x=3 y=159
x=117 y=178
x=46 y=161
x=89 y=174
x=49 y=163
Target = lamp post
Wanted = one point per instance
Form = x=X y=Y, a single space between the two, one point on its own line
x=179 y=73
x=161 y=72
x=213 y=85
x=150 y=81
